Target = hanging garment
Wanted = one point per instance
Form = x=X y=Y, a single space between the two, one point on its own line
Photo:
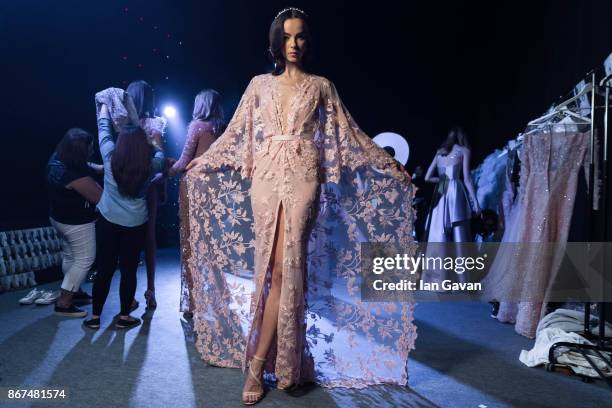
x=521 y=279
x=510 y=182
x=296 y=149
x=490 y=180
x=449 y=217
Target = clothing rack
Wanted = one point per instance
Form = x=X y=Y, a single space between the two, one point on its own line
x=602 y=344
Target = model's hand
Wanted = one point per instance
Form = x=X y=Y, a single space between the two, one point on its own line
x=194 y=163
x=104 y=111
x=170 y=162
x=172 y=172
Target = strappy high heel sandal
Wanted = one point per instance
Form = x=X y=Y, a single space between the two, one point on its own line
x=150 y=298
x=257 y=394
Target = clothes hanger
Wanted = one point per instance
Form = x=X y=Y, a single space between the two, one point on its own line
x=563 y=107
x=512 y=145
x=587 y=88
x=563 y=113
x=574 y=115
x=543 y=119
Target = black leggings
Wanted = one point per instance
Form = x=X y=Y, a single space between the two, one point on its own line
x=116 y=244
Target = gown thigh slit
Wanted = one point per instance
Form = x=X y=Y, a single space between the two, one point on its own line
x=274 y=268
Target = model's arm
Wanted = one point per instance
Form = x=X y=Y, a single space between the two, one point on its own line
x=87 y=187
x=105 y=135
x=467 y=180
x=346 y=145
x=432 y=167
x=189 y=150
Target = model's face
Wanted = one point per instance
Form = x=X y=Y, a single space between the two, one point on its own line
x=295 y=43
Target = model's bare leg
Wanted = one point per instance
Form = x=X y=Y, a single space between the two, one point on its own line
x=461 y=235
x=151 y=246
x=270 y=316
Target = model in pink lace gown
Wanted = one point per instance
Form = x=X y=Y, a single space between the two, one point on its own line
x=525 y=267
x=297 y=150
x=200 y=135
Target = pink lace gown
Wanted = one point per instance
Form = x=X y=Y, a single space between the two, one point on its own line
x=296 y=148
x=526 y=265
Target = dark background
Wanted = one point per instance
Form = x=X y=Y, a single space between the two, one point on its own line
x=413 y=68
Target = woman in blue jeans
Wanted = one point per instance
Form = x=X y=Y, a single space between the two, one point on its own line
x=129 y=165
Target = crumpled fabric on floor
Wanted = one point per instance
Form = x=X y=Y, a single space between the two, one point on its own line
x=547 y=337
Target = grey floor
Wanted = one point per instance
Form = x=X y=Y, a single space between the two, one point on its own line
x=462 y=359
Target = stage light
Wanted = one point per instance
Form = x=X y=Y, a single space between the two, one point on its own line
x=170 y=112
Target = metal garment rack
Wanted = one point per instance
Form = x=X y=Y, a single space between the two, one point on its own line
x=602 y=344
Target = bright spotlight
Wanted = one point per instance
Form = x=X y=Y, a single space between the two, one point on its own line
x=169 y=112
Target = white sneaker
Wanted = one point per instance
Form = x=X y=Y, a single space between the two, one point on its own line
x=48 y=297
x=31 y=297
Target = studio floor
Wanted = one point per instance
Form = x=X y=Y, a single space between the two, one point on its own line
x=463 y=358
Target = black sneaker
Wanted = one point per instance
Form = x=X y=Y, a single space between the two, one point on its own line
x=70 y=311
x=81 y=297
x=133 y=307
x=127 y=324
x=92 y=323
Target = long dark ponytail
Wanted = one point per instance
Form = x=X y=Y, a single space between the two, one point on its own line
x=142 y=95
x=131 y=161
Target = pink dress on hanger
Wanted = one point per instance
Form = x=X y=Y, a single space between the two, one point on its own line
x=521 y=276
x=296 y=149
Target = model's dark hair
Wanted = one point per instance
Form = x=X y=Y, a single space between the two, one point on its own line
x=277 y=38
x=131 y=161
x=207 y=107
x=75 y=148
x=142 y=95
x=456 y=136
